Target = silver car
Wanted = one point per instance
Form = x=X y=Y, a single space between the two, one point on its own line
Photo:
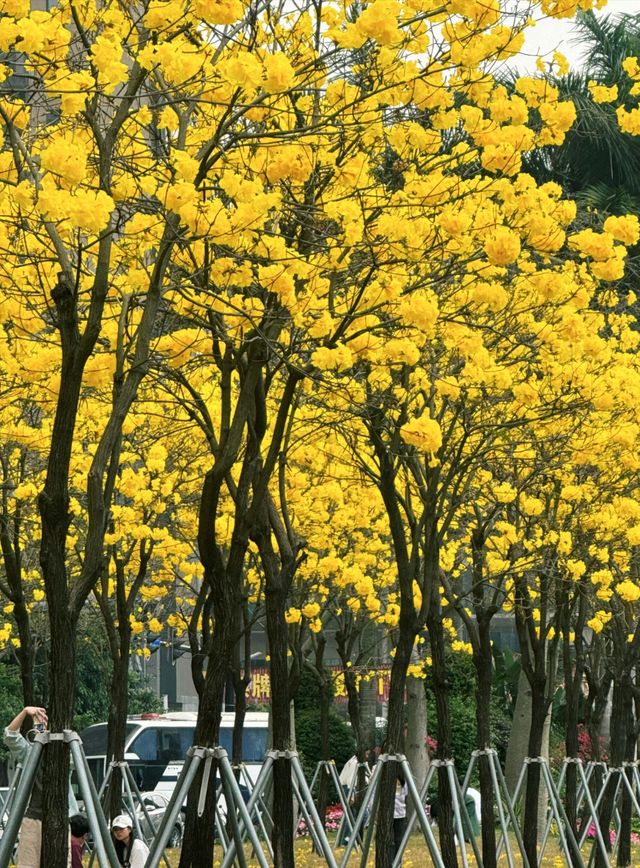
x=156 y=806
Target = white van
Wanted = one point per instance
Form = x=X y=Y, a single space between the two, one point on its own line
x=156 y=746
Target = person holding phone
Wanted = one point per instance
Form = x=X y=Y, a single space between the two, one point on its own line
x=30 y=840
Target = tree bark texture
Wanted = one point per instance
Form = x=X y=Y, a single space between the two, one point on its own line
x=443 y=730
x=282 y=833
x=483 y=659
x=620 y=726
x=117 y=728
x=416 y=741
x=394 y=743
x=539 y=708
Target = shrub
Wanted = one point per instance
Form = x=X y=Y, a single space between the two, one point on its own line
x=463 y=729
x=307 y=696
x=308 y=740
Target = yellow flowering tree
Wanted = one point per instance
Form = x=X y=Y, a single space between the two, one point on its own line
x=281 y=272
x=217 y=171
x=488 y=350
x=82 y=181
x=145 y=555
x=346 y=583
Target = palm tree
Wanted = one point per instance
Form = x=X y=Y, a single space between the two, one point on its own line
x=598 y=164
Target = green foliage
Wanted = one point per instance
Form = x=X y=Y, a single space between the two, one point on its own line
x=463 y=728
x=461 y=677
x=94 y=668
x=307 y=697
x=308 y=739
x=506 y=674
x=142 y=698
x=10 y=697
x=461 y=680
x=501 y=723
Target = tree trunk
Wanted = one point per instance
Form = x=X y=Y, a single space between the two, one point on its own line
x=519 y=735
x=539 y=708
x=394 y=742
x=443 y=729
x=25 y=653
x=241 y=676
x=483 y=660
x=325 y=746
x=416 y=742
x=117 y=725
x=619 y=710
x=198 y=842
x=240 y=711
x=624 y=846
x=353 y=709
x=55 y=517
x=223 y=581
x=282 y=833
x=55 y=837
x=363 y=743
x=573 y=663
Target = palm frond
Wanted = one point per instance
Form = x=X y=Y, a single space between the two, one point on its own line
x=606 y=41
x=609 y=200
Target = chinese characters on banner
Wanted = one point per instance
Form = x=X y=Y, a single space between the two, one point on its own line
x=260 y=688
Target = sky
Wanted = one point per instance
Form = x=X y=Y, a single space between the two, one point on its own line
x=551 y=35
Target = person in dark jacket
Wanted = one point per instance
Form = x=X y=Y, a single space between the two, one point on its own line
x=79 y=830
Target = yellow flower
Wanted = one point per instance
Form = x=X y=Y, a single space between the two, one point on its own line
x=602 y=94
x=310 y=610
x=629 y=121
x=137 y=627
x=155 y=625
x=502 y=246
x=504 y=492
x=596 y=245
x=628 y=591
x=379 y=21
x=625 y=229
x=424 y=433
x=279 y=74
x=222 y=12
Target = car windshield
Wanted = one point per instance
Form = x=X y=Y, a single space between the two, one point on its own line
x=94 y=738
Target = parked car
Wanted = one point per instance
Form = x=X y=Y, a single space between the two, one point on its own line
x=156 y=807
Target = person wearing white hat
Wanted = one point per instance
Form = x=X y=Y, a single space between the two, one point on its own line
x=131 y=851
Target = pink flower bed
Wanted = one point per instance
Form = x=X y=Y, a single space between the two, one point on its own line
x=331 y=821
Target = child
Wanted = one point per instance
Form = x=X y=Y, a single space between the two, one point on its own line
x=79 y=831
